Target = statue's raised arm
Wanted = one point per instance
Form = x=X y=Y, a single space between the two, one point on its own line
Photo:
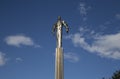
x=53 y=28
x=66 y=26
x=58 y=29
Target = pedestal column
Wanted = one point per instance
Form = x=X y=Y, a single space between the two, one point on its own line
x=59 y=65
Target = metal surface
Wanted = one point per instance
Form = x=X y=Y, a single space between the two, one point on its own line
x=59 y=65
x=59 y=71
x=58 y=28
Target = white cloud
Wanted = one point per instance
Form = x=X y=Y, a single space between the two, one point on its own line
x=3 y=60
x=72 y=57
x=117 y=16
x=19 y=59
x=103 y=45
x=83 y=8
x=18 y=40
x=83 y=30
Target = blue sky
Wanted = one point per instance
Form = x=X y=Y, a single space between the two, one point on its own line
x=27 y=46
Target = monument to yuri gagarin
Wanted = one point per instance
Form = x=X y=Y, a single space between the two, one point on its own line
x=59 y=66
x=58 y=27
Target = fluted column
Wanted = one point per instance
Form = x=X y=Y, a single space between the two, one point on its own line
x=59 y=65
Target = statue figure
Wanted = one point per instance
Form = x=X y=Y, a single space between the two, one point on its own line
x=58 y=28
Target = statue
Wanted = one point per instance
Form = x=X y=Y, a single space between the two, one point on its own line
x=58 y=28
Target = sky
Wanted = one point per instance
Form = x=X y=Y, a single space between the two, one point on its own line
x=27 y=46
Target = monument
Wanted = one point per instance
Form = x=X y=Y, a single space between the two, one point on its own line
x=59 y=65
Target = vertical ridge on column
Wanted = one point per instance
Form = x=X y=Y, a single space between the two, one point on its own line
x=59 y=65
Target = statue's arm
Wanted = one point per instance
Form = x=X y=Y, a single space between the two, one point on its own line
x=66 y=26
x=53 y=28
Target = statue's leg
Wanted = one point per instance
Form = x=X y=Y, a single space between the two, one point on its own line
x=57 y=42
x=59 y=39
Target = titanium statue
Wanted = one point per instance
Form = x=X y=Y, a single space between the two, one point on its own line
x=58 y=28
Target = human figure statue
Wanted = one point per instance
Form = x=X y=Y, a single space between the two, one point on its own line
x=58 y=28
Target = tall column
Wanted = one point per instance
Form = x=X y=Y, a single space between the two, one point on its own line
x=59 y=65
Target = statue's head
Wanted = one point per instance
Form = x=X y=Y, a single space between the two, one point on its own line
x=59 y=17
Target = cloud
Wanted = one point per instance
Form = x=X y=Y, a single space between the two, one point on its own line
x=83 y=8
x=117 y=16
x=19 y=59
x=18 y=40
x=72 y=57
x=3 y=59
x=103 y=45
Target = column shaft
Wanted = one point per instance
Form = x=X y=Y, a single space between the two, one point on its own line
x=59 y=65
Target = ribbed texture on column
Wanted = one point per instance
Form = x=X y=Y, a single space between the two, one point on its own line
x=59 y=65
